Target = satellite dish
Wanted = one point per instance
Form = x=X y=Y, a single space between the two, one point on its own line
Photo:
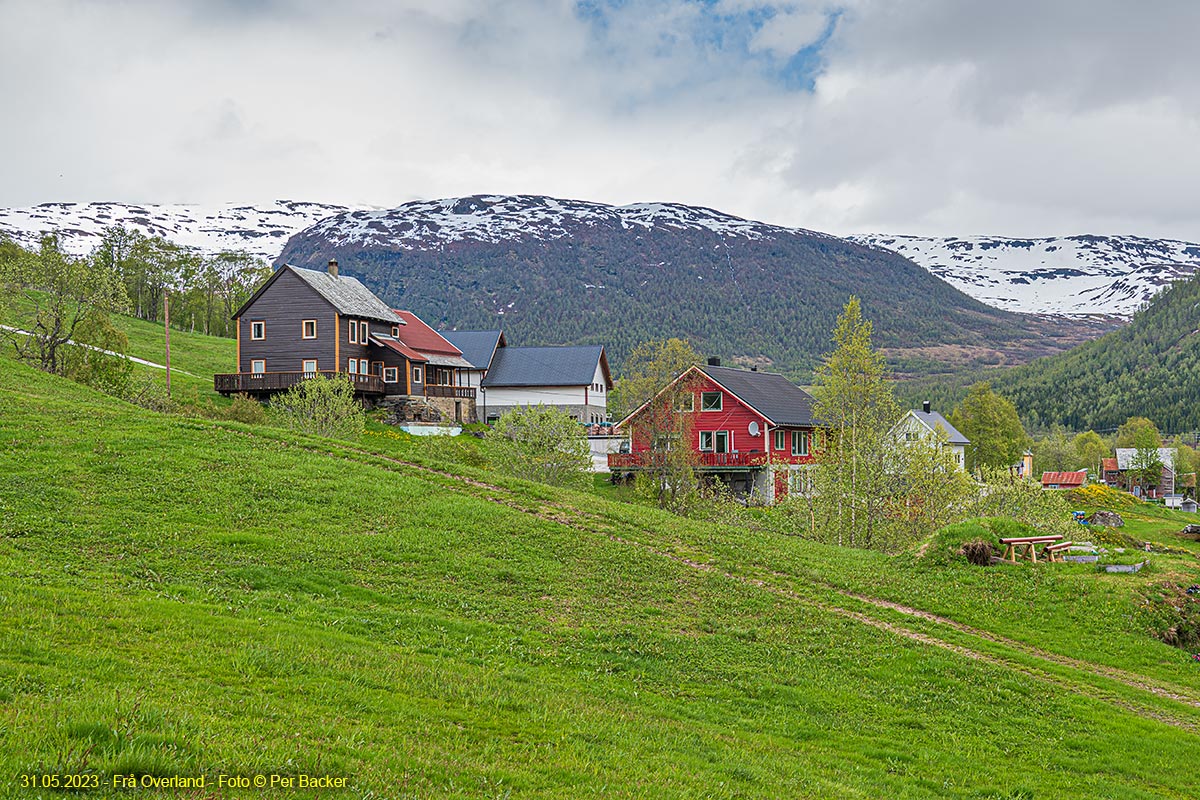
x=754 y=429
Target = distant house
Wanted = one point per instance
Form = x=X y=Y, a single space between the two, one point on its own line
x=575 y=379
x=301 y=323
x=751 y=430
x=1064 y=480
x=928 y=425
x=1118 y=472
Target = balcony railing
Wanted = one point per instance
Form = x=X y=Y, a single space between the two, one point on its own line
x=703 y=460
x=463 y=392
x=266 y=382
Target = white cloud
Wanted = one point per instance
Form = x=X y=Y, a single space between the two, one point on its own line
x=927 y=116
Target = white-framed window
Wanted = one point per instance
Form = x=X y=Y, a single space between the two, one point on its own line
x=395 y=331
x=309 y=365
x=710 y=401
x=416 y=374
x=780 y=440
x=364 y=367
x=800 y=482
x=706 y=441
x=258 y=329
x=391 y=374
x=364 y=333
x=800 y=443
x=352 y=366
x=308 y=329
x=685 y=402
x=353 y=328
x=258 y=366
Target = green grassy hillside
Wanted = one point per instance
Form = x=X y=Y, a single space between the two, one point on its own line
x=182 y=597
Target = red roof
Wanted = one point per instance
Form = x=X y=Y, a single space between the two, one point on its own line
x=1109 y=465
x=1064 y=478
x=399 y=347
x=419 y=336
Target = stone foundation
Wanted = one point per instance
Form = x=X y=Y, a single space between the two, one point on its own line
x=403 y=409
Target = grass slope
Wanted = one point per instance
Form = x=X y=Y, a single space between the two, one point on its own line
x=185 y=597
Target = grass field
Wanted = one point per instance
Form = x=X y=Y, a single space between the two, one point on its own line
x=184 y=597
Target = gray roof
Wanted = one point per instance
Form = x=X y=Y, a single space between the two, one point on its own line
x=477 y=347
x=544 y=366
x=347 y=295
x=1125 y=457
x=933 y=420
x=769 y=393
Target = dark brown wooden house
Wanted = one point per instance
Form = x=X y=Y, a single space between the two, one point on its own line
x=304 y=322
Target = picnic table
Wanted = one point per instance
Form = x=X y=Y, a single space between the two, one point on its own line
x=1030 y=545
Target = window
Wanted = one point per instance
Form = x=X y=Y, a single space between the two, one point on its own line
x=377 y=368
x=364 y=366
x=685 y=402
x=258 y=329
x=363 y=333
x=352 y=366
x=799 y=443
x=258 y=366
x=395 y=331
x=706 y=440
x=779 y=440
x=416 y=374
x=309 y=330
x=710 y=401
x=309 y=365
x=721 y=441
x=391 y=374
x=353 y=332
x=800 y=482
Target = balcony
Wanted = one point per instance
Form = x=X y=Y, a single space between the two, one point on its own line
x=705 y=461
x=271 y=382
x=460 y=392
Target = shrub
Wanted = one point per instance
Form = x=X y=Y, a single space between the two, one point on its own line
x=542 y=443
x=1101 y=496
x=978 y=552
x=322 y=406
x=246 y=409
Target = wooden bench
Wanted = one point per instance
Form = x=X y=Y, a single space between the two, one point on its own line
x=1054 y=551
x=1030 y=543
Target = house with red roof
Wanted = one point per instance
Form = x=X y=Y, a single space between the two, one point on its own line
x=752 y=431
x=1064 y=480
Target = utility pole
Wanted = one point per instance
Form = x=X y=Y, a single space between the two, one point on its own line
x=167 y=331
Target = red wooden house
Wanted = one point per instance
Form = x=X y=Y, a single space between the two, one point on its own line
x=751 y=430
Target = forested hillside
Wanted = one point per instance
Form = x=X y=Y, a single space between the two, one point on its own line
x=1149 y=368
x=567 y=272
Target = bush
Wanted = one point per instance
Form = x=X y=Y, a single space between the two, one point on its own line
x=323 y=407
x=978 y=552
x=541 y=443
x=246 y=409
x=1101 y=496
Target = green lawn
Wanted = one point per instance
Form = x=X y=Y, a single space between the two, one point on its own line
x=182 y=597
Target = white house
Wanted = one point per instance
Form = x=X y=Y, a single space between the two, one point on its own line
x=576 y=379
x=924 y=425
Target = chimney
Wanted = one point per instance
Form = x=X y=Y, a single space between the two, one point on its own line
x=333 y=267
x=925 y=406
x=713 y=361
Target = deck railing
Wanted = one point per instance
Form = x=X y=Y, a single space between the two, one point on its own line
x=463 y=392
x=703 y=460
x=265 y=382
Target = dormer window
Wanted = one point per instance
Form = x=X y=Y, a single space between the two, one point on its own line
x=395 y=331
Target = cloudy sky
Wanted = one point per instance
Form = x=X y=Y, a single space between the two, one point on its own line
x=1022 y=117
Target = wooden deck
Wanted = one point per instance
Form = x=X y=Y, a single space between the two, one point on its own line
x=706 y=461
x=259 y=383
x=461 y=392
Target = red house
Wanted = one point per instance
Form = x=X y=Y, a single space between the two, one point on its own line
x=751 y=430
x=1064 y=480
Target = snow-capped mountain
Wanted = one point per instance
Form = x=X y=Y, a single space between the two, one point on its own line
x=260 y=229
x=1071 y=275
x=436 y=224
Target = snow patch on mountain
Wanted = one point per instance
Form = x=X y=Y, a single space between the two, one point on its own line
x=1071 y=275
x=261 y=229
x=436 y=224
